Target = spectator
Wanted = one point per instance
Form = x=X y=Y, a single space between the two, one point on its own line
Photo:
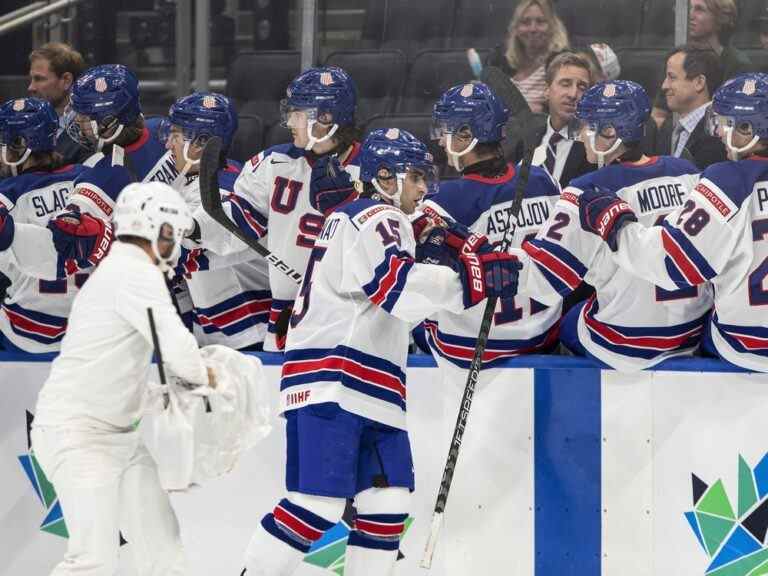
x=534 y=33
x=711 y=23
x=568 y=76
x=763 y=26
x=692 y=77
x=53 y=69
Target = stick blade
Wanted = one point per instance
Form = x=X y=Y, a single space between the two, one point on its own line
x=434 y=533
x=210 y=196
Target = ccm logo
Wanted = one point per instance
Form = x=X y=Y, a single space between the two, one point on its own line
x=610 y=214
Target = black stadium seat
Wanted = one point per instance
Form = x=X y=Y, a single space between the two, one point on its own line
x=378 y=75
x=260 y=79
x=407 y=25
x=646 y=67
x=431 y=74
x=481 y=24
x=614 y=22
x=277 y=134
x=249 y=138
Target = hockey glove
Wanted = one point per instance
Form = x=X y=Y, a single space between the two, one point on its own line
x=7 y=229
x=603 y=213
x=488 y=275
x=330 y=186
x=80 y=238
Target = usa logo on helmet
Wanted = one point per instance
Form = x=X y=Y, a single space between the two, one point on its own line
x=326 y=79
x=749 y=87
x=209 y=102
x=467 y=90
x=393 y=134
x=100 y=85
x=609 y=91
x=18 y=105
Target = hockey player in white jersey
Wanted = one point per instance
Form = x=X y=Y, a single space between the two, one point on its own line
x=720 y=234
x=230 y=296
x=343 y=390
x=85 y=434
x=628 y=324
x=34 y=312
x=274 y=189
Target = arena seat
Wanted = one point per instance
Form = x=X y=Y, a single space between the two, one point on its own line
x=406 y=25
x=276 y=134
x=759 y=58
x=260 y=79
x=481 y=24
x=657 y=24
x=249 y=138
x=378 y=74
x=646 y=67
x=431 y=74
x=611 y=21
x=13 y=87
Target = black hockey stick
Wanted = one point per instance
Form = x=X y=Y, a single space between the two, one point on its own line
x=473 y=375
x=158 y=355
x=210 y=197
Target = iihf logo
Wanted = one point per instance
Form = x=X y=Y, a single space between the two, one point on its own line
x=54 y=519
x=735 y=541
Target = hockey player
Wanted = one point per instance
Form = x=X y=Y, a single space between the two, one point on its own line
x=720 y=233
x=230 y=299
x=343 y=383
x=34 y=312
x=274 y=189
x=85 y=435
x=628 y=325
x=469 y=122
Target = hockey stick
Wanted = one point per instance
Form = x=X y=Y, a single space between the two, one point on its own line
x=473 y=376
x=159 y=355
x=210 y=197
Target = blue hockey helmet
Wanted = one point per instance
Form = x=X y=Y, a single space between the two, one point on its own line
x=26 y=125
x=108 y=97
x=327 y=95
x=741 y=104
x=202 y=114
x=472 y=108
x=620 y=107
x=392 y=153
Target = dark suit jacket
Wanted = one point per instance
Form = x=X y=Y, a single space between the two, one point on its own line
x=575 y=165
x=702 y=149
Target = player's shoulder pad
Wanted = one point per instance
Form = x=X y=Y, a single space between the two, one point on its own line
x=228 y=175
x=725 y=185
x=540 y=183
x=363 y=211
x=105 y=177
x=277 y=153
x=678 y=166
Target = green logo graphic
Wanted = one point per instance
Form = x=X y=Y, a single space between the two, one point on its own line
x=54 y=520
x=733 y=538
x=328 y=552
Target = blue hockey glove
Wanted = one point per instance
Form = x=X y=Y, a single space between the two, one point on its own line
x=7 y=229
x=603 y=213
x=487 y=275
x=330 y=186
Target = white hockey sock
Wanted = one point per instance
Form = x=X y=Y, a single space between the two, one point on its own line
x=284 y=535
x=373 y=544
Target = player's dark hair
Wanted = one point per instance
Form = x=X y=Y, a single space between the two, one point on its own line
x=346 y=136
x=701 y=62
x=43 y=162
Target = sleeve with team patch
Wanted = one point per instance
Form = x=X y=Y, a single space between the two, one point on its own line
x=97 y=189
x=382 y=264
x=694 y=243
x=247 y=206
x=559 y=257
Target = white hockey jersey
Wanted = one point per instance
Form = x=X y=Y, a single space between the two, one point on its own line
x=720 y=234
x=272 y=193
x=520 y=325
x=230 y=297
x=631 y=324
x=349 y=334
x=33 y=316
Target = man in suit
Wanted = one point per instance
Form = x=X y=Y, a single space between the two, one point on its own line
x=692 y=77
x=568 y=77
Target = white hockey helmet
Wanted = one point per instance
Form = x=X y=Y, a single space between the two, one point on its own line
x=152 y=211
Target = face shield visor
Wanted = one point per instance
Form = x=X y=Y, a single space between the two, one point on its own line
x=179 y=140
x=456 y=138
x=730 y=128
x=297 y=118
x=91 y=134
x=13 y=151
x=602 y=139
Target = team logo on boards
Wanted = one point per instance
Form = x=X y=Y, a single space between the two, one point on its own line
x=733 y=539
x=53 y=521
x=329 y=552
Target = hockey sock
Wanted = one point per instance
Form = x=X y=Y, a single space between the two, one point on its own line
x=285 y=535
x=373 y=544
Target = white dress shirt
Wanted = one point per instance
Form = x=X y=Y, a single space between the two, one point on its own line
x=562 y=149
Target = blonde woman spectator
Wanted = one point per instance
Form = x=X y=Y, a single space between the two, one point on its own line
x=534 y=33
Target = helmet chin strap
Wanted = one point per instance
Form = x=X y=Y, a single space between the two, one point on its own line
x=454 y=156
x=601 y=155
x=737 y=152
x=394 y=198
x=312 y=140
x=14 y=165
x=166 y=265
x=188 y=163
x=102 y=141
